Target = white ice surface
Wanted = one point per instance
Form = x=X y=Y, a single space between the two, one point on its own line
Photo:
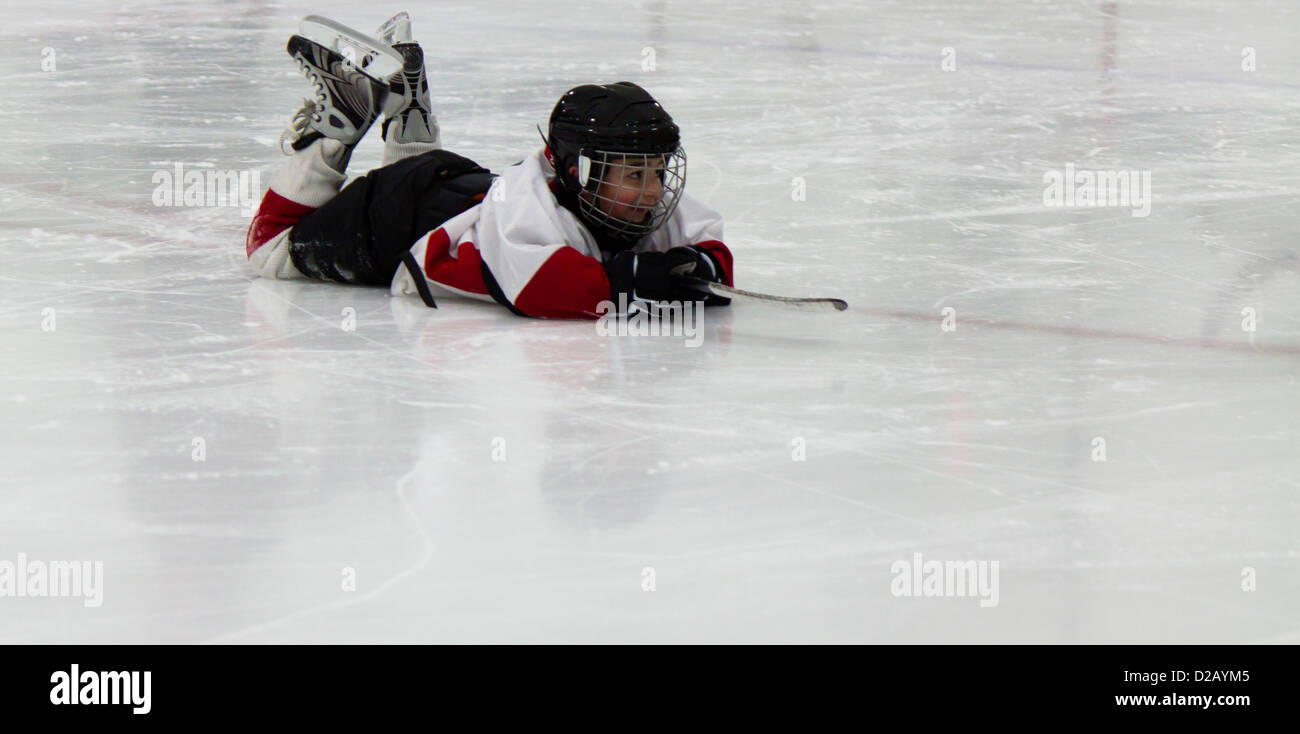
x=372 y=449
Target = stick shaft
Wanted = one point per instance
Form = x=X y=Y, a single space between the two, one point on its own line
x=801 y=304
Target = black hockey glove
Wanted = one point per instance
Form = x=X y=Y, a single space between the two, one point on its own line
x=652 y=276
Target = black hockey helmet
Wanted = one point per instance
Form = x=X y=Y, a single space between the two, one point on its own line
x=596 y=128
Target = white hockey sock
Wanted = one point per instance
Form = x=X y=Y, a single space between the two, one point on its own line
x=314 y=175
x=397 y=147
x=272 y=260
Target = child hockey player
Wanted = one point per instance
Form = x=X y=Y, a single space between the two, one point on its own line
x=598 y=214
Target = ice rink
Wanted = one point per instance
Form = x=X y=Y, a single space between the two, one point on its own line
x=1106 y=417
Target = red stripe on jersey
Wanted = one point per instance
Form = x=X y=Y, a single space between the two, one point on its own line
x=720 y=251
x=274 y=215
x=568 y=285
x=462 y=272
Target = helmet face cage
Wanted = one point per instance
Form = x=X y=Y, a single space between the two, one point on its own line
x=663 y=171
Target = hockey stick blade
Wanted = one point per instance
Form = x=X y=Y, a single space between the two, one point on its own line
x=824 y=305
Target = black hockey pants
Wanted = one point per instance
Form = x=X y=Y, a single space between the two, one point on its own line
x=360 y=235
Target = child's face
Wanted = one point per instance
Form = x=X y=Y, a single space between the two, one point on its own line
x=630 y=188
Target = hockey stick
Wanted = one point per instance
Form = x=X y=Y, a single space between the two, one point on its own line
x=825 y=305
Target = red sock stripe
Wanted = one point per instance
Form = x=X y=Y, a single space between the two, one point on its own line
x=275 y=215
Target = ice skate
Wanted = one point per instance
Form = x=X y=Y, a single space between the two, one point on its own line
x=349 y=72
x=408 y=116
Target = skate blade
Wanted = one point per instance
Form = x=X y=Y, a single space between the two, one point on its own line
x=395 y=30
x=369 y=55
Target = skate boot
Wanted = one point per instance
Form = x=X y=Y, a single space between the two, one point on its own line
x=347 y=70
x=408 y=116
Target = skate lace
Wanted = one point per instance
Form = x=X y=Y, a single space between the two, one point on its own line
x=298 y=125
x=309 y=112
